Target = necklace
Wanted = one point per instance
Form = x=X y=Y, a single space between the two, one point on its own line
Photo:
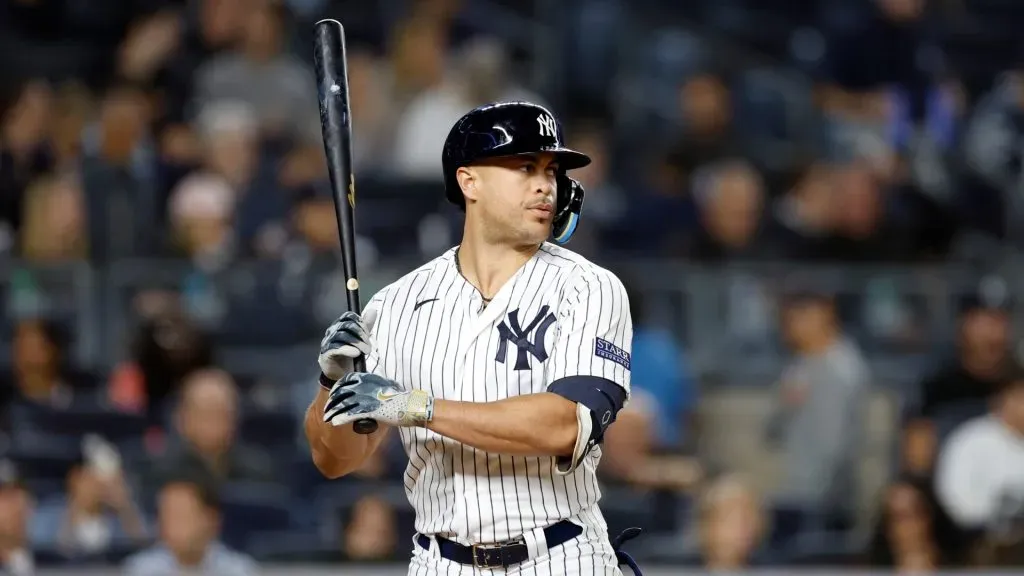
x=458 y=268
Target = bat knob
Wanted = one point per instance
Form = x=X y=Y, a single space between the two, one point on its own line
x=365 y=426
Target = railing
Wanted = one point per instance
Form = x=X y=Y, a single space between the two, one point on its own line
x=899 y=315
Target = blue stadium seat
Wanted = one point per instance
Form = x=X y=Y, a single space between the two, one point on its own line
x=271 y=544
x=269 y=430
x=76 y=421
x=45 y=467
x=247 y=508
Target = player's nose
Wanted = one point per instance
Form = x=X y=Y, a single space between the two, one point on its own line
x=545 y=186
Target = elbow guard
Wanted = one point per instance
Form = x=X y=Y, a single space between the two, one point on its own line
x=598 y=401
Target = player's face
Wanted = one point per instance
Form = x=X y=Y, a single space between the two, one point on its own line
x=516 y=197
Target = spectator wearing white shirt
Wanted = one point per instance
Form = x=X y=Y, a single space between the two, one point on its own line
x=980 y=473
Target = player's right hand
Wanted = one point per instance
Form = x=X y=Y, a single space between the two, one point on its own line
x=345 y=340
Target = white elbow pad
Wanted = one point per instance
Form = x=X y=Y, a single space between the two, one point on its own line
x=584 y=442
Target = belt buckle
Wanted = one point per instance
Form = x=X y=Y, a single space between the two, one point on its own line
x=485 y=551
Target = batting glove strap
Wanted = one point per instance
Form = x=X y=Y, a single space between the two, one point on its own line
x=412 y=408
x=325 y=382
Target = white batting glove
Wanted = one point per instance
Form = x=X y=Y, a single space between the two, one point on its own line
x=362 y=395
x=345 y=340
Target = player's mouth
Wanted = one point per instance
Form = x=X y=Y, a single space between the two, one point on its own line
x=544 y=209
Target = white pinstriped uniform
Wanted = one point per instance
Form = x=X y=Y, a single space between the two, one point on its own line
x=433 y=333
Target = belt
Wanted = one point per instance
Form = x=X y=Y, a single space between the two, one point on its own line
x=502 y=554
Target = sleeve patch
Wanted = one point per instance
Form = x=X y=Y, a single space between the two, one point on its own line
x=608 y=351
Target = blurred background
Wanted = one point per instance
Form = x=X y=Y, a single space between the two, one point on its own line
x=817 y=206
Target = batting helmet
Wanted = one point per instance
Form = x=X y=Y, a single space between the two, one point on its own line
x=511 y=129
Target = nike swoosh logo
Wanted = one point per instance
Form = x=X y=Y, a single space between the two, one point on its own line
x=385 y=396
x=422 y=302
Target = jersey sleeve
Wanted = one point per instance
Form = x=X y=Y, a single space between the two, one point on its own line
x=595 y=331
x=590 y=360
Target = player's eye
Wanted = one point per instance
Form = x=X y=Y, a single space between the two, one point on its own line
x=552 y=170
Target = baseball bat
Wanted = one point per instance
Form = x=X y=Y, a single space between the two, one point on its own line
x=336 y=124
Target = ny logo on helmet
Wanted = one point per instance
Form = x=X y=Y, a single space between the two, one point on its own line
x=520 y=336
x=547 y=125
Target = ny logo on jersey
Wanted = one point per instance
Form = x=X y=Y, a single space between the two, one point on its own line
x=547 y=125
x=512 y=332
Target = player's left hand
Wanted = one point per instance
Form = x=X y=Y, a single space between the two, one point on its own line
x=364 y=395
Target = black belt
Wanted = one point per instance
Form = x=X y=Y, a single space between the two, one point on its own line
x=503 y=554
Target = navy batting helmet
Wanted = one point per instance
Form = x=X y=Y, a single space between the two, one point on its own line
x=511 y=129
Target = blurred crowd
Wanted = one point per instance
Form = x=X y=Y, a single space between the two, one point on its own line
x=177 y=143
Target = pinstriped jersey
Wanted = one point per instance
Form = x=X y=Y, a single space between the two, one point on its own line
x=558 y=316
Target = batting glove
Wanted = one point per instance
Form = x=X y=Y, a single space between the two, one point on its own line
x=363 y=395
x=345 y=340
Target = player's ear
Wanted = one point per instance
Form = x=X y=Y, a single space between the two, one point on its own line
x=467 y=178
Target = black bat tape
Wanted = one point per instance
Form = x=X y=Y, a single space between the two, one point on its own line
x=335 y=123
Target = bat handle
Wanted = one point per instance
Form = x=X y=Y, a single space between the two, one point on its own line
x=366 y=425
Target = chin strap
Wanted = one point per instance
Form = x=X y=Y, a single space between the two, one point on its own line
x=624 y=558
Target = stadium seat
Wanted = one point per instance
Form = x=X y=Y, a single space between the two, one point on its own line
x=269 y=429
x=245 y=510
x=44 y=467
x=270 y=545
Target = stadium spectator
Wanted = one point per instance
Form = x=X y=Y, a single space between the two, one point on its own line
x=821 y=404
x=117 y=177
x=731 y=525
x=864 y=228
x=206 y=422
x=801 y=218
x=913 y=534
x=480 y=76
x=189 y=517
x=98 y=511
x=201 y=214
x=166 y=347
x=709 y=135
x=961 y=387
x=730 y=198
x=374 y=121
x=41 y=372
x=55 y=226
x=979 y=475
x=167 y=47
x=25 y=154
x=993 y=151
x=371 y=531
x=16 y=558
x=275 y=84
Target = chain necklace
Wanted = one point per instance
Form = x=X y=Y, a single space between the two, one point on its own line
x=458 y=267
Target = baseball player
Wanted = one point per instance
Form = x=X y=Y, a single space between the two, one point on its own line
x=501 y=363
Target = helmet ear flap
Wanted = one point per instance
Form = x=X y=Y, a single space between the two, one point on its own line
x=569 y=205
